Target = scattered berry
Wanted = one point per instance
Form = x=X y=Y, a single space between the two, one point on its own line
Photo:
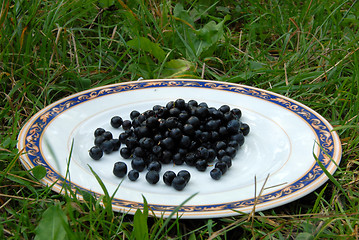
x=96 y=153
x=152 y=177
x=120 y=169
x=133 y=175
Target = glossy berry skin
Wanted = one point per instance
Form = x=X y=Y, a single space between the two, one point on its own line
x=168 y=177
x=152 y=177
x=126 y=125
x=138 y=164
x=201 y=165
x=99 y=131
x=233 y=126
x=227 y=160
x=107 y=147
x=116 y=144
x=99 y=140
x=221 y=166
x=133 y=175
x=96 y=153
x=216 y=173
x=120 y=169
x=154 y=166
x=179 y=183
x=185 y=174
x=244 y=129
x=125 y=153
x=116 y=121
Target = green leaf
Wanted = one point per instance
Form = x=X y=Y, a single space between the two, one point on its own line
x=210 y=34
x=106 y=3
x=52 y=225
x=148 y=46
x=140 y=227
x=177 y=67
x=304 y=236
x=39 y=172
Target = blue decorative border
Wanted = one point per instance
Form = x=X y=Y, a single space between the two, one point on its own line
x=321 y=129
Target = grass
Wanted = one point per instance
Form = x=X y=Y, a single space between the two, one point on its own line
x=306 y=50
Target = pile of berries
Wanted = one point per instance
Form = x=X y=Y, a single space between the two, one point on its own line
x=179 y=133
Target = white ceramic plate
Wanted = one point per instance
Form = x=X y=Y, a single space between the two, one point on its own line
x=277 y=157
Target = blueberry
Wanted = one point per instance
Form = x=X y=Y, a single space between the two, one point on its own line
x=167 y=143
x=116 y=122
x=224 y=108
x=154 y=166
x=126 y=125
x=233 y=126
x=185 y=141
x=221 y=166
x=175 y=133
x=175 y=112
x=134 y=114
x=99 y=131
x=179 y=183
x=237 y=113
x=193 y=103
x=244 y=129
x=178 y=159
x=107 y=135
x=180 y=103
x=116 y=144
x=125 y=152
x=227 y=160
x=138 y=164
x=133 y=175
x=185 y=174
x=231 y=151
x=96 y=153
x=120 y=169
x=107 y=147
x=194 y=121
x=220 y=145
x=190 y=159
x=152 y=177
x=152 y=122
x=99 y=140
x=139 y=152
x=188 y=129
x=239 y=138
x=131 y=142
x=146 y=142
x=216 y=173
x=201 y=165
x=168 y=177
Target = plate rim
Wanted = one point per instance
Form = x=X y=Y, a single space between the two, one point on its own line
x=197 y=211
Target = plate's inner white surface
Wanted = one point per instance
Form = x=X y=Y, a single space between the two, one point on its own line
x=279 y=142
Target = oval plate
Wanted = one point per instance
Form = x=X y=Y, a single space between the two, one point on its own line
x=277 y=164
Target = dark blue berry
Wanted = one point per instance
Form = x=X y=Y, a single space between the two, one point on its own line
x=168 y=177
x=138 y=164
x=201 y=165
x=120 y=169
x=96 y=153
x=154 y=166
x=99 y=131
x=125 y=152
x=185 y=174
x=216 y=173
x=116 y=121
x=179 y=183
x=221 y=166
x=152 y=177
x=107 y=147
x=133 y=175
